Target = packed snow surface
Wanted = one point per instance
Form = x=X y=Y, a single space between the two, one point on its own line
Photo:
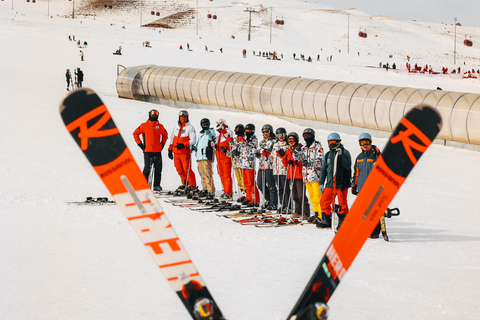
x=62 y=261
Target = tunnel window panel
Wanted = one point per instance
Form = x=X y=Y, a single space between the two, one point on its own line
x=331 y=102
x=187 y=84
x=172 y=83
x=276 y=96
x=398 y=105
x=229 y=87
x=181 y=83
x=212 y=83
x=287 y=98
x=319 y=102
x=382 y=108
x=220 y=88
x=237 y=90
x=266 y=96
x=369 y=106
x=473 y=121
x=297 y=98
x=251 y=92
x=344 y=99
x=308 y=99
x=356 y=105
x=444 y=107
x=203 y=86
x=195 y=85
x=459 y=115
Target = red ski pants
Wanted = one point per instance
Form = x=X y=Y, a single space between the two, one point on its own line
x=225 y=171
x=250 y=185
x=328 y=197
x=183 y=165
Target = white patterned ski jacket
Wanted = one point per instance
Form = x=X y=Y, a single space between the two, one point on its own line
x=312 y=159
x=265 y=153
x=248 y=150
x=277 y=164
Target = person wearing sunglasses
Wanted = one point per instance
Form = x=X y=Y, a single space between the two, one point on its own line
x=336 y=170
x=182 y=143
x=265 y=179
x=295 y=176
x=363 y=166
x=154 y=138
x=280 y=171
x=311 y=156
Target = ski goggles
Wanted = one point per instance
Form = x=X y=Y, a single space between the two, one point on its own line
x=290 y=140
x=333 y=143
x=280 y=135
x=307 y=136
x=154 y=113
x=248 y=131
x=265 y=131
x=365 y=142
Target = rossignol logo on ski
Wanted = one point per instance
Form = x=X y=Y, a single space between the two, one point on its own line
x=93 y=131
x=404 y=136
x=115 y=168
x=387 y=175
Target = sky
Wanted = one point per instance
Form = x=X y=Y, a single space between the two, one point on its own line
x=429 y=11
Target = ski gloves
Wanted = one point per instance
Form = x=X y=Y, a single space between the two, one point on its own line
x=142 y=146
x=354 y=190
x=170 y=154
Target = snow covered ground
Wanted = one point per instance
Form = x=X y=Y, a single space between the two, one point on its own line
x=61 y=261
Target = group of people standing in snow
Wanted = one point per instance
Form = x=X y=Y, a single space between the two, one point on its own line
x=77 y=81
x=278 y=165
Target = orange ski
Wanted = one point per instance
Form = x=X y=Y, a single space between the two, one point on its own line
x=409 y=141
x=91 y=126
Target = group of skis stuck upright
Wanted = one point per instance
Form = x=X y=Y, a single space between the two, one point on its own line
x=287 y=169
x=277 y=180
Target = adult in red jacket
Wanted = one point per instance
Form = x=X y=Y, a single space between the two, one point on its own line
x=224 y=162
x=154 y=137
x=295 y=176
x=182 y=143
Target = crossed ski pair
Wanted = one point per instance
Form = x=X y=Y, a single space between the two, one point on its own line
x=91 y=126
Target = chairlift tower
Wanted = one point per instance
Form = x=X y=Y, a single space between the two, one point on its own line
x=250 y=10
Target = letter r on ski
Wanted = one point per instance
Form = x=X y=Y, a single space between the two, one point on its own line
x=94 y=131
x=408 y=143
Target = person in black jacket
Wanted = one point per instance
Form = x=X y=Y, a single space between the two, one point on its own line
x=79 y=74
x=362 y=168
x=336 y=170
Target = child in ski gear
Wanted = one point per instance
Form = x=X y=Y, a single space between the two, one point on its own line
x=154 y=137
x=295 y=176
x=224 y=136
x=265 y=179
x=336 y=170
x=205 y=155
x=311 y=156
x=246 y=152
x=181 y=142
x=280 y=171
x=363 y=166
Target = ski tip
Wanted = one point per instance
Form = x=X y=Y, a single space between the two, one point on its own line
x=74 y=93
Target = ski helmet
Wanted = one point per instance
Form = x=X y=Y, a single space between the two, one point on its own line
x=293 y=135
x=239 y=129
x=309 y=131
x=365 y=136
x=267 y=127
x=281 y=133
x=205 y=123
x=334 y=136
x=221 y=123
x=333 y=140
x=153 y=115
x=250 y=129
x=183 y=113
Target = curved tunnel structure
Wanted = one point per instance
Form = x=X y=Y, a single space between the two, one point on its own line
x=362 y=105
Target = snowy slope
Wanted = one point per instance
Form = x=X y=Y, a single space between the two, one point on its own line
x=74 y=262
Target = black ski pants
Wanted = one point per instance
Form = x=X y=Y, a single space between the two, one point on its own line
x=266 y=181
x=156 y=159
x=283 y=187
x=300 y=198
